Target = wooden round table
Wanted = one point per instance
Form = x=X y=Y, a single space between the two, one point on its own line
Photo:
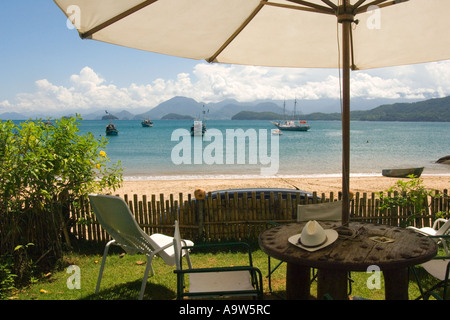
x=359 y=245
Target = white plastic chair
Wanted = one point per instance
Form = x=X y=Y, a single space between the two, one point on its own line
x=439 y=268
x=215 y=281
x=117 y=220
x=437 y=228
x=440 y=227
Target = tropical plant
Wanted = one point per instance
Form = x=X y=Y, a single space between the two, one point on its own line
x=45 y=168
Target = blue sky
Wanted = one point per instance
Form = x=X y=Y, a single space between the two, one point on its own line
x=46 y=67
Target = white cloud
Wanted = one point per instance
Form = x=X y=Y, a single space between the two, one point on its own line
x=215 y=82
x=440 y=72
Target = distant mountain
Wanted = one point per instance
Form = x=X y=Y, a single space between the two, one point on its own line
x=12 y=116
x=177 y=105
x=176 y=116
x=124 y=115
x=251 y=115
x=323 y=109
x=109 y=117
x=228 y=111
x=429 y=110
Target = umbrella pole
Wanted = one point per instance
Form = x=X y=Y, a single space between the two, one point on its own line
x=346 y=25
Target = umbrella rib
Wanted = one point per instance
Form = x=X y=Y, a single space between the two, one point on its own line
x=378 y=3
x=320 y=8
x=294 y=7
x=238 y=30
x=119 y=17
x=331 y=4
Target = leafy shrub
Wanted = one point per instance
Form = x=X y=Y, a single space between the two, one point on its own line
x=6 y=277
x=45 y=169
x=408 y=195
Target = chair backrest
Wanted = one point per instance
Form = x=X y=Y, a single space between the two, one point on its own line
x=444 y=229
x=116 y=218
x=320 y=211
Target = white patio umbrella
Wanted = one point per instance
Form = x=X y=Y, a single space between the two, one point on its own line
x=347 y=34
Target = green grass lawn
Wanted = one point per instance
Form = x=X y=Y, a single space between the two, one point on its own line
x=123 y=274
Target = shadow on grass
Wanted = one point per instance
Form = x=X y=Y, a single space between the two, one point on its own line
x=130 y=291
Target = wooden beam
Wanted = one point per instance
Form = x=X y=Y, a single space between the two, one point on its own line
x=237 y=32
x=119 y=17
x=378 y=3
x=321 y=9
x=295 y=7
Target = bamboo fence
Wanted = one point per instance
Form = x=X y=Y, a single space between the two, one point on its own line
x=230 y=217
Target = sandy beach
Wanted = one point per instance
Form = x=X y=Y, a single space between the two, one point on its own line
x=321 y=184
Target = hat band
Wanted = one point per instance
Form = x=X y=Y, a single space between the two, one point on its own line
x=314 y=245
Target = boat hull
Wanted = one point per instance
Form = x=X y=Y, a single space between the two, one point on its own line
x=445 y=160
x=302 y=128
x=147 y=124
x=291 y=126
x=402 y=173
x=112 y=133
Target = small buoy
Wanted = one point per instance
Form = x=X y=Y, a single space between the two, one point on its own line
x=200 y=194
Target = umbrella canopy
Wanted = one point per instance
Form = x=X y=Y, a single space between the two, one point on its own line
x=347 y=34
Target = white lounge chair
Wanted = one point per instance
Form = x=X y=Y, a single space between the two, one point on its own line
x=440 y=227
x=437 y=228
x=115 y=217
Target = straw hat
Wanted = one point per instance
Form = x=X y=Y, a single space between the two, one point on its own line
x=314 y=237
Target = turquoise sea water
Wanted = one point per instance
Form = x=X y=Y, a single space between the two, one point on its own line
x=154 y=153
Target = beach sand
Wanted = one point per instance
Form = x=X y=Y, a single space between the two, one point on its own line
x=319 y=184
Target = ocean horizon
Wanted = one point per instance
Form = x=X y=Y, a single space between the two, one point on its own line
x=166 y=151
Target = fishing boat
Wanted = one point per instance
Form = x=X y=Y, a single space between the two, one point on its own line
x=292 y=125
x=402 y=173
x=147 y=123
x=445 y=160
x=198 y=128
x=111 y=130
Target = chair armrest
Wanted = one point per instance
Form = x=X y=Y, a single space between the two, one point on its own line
x=444 y=239
x=224 y=244
x=437 y=221
x=218 y=269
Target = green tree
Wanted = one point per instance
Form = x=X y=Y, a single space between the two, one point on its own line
x=44 y=170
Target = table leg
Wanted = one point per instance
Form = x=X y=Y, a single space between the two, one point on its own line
x=396 y=284
x=298 y=282
x=332 y=282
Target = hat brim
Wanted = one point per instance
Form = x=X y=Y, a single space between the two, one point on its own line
x=331 y=234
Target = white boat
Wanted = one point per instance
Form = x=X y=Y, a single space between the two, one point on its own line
x=198 y=129
x=292 y=125
x=277 y=132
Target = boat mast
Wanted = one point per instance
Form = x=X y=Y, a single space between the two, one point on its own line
x=295 y=109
